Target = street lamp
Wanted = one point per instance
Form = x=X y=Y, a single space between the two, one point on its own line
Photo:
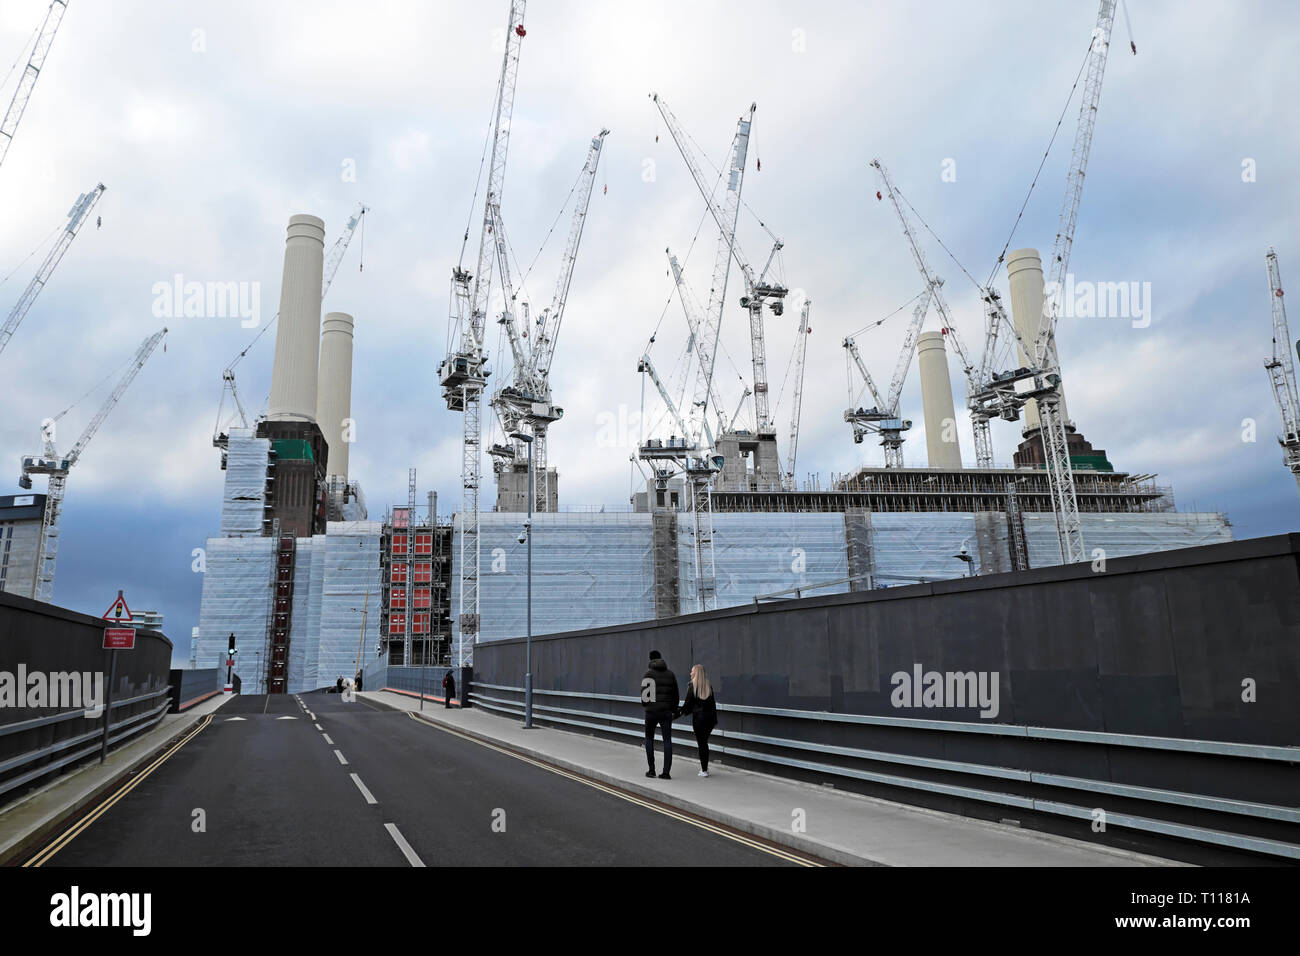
x=527 y=536
x=970 y=561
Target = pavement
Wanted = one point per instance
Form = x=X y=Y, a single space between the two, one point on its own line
x=837 y=826
x=30 y=818
x=316 y=780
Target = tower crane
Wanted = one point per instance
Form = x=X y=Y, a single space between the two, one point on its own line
x=221 y=439
x=57 y=466
x=35 y=62
x=801 y=354
x=1281 y=373
x=695 y=323
x=462 y=373
x=77 y=215
x=1005 y=393
x=527 y=397
x=882 y=418
x=758 y=289
x=691 y=453
x=934 y=289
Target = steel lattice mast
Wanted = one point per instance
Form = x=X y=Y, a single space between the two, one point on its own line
x=462 y=374
x=32 y=72
x=57 y=467
x=801 y=354
x=1281 y=373
x=77 y=215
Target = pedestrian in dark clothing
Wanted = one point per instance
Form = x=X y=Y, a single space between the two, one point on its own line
x=358 y=680
x=338 y=685
x=702 y=704
x=659 y=698
x=448 y=690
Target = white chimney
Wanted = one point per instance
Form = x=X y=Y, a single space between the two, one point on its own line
x=936 y=402
x=334 y=398
x=297 y=340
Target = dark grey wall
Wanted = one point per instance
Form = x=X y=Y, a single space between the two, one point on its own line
x=1156 y=644
x=190 y=686
x=51 y=639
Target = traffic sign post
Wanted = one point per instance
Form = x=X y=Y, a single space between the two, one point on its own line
x=115 y=639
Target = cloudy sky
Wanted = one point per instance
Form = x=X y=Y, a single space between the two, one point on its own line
x=213 y=122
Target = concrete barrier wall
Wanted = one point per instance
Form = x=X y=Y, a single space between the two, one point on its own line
x=38 y=638
x=1197 y=644
x=194 y=685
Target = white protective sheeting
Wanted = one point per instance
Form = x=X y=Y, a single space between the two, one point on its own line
x=909 y=547
x=243 y=500
x=236 y=598
x=590 y=569
x=1121 y=535
x=301 y=634
x=349 y=598
x=757 y=554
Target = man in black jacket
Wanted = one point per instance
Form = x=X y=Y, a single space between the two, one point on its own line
x=659 y=698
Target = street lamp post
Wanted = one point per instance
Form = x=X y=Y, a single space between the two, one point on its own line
x=528 y=639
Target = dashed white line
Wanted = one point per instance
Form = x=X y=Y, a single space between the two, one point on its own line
x=402 y=845
x=343 y=760
x=318 y=728
x=370 y=797
x=327 y=739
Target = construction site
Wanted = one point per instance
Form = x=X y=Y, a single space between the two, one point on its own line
x=313 y=586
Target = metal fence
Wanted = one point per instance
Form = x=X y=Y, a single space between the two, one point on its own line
x=899 y=762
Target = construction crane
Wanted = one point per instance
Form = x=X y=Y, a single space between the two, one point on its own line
x=934 y=290
x=691 y=454
x=77 y=215
x=57 y=466
x=1281 y=373
x=758 y=289
x=462 y=373
x=220 y=439
x=44 y=39
x=882 y=418
x=801 y=354
x=1007 y=392
x=526 y=399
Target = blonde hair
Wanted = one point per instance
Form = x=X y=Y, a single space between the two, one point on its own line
x=700 y=681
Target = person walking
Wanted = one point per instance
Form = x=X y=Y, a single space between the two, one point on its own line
x=701 y=703
x=338 y=685
x=448 y=690
x=659 y=699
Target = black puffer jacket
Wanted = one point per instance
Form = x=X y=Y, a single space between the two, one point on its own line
x=665 y=698
x=704 y=713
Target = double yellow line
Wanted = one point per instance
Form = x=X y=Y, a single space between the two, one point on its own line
x=72 y=832
x=622 y=795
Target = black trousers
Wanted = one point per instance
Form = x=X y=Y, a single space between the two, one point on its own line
x=662 y=719
x=702 y=732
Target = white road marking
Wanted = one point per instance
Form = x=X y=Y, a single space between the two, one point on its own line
x=318 y=727
x=370 y=797
x=402 y=845
x=286 y=718
x=327 y=738
x=343 y=760
x=229 y=719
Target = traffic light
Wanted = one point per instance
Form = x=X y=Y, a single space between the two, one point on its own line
x=230 y=651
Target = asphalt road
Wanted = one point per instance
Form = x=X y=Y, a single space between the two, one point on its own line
x=366 y=785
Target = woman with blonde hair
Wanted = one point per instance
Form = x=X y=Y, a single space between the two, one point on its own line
x=701 y=703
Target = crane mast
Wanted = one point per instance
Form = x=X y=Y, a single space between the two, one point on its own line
x=57 y=467
x=77 y=215
x=690 y=454
x=801 y=354
x=462 y=373
x=1281 y=373
x=32 y=72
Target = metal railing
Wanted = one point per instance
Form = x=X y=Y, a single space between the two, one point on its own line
x=86 y=744
x=961 y=779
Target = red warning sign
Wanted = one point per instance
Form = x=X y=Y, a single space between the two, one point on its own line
x=118 y=611
x=119 y=638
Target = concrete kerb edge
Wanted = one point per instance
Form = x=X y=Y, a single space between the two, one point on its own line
x=26 y=841
x=824 y=851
